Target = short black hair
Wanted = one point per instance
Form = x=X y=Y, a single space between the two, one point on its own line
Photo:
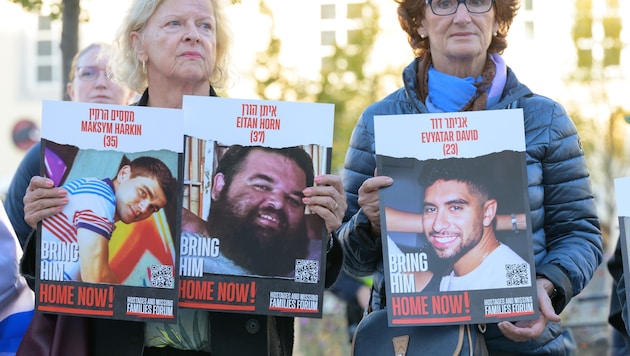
x=474 y=172
x=151 y=167
x=231 y=162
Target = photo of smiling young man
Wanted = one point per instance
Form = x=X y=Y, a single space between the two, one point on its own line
x=458 y=219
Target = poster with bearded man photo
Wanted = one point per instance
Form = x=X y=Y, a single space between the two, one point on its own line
x=249 y=244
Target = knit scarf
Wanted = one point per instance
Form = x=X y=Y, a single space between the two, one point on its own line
x=450 y=93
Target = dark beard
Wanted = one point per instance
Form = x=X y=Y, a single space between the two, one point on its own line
x=448 y=262
x=243 y=243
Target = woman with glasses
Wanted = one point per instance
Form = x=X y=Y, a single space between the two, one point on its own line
x=88 y=82
x=457 y=45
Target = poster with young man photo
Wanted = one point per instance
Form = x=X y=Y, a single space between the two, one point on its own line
x=249 y=242
x=459 y=245
x=112 y=251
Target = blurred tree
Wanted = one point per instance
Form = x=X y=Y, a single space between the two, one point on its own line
x=344 y=80
x=69 y=11
x=604 y=131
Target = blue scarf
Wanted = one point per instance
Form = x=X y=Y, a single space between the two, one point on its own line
x=448 y=93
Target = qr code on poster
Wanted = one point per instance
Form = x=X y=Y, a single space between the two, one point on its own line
x=517 y=274
x=161 y=276
x=306 y=271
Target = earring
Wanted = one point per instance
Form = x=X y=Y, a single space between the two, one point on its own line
x=144 y=67
x=494 y=34
x=422 y=35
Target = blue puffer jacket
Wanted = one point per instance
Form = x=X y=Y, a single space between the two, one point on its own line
x=566 y=234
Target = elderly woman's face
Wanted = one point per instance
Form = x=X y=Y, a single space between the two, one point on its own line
x=462 y=36
x=179 y=42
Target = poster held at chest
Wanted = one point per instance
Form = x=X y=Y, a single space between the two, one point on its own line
x=622 y=189
x=249 y=244
x=457 y=241
x=112 y=252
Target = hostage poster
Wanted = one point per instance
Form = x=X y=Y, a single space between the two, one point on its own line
x=249 y=244
x=112 y=251
x=457 y=241
x=622 y=189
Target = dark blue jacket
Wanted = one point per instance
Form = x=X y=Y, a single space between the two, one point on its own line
x=567 y=240
x=13 y=202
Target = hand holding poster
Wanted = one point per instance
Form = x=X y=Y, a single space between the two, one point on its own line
x=458 y=242
x=111 y=251
x=249 y=244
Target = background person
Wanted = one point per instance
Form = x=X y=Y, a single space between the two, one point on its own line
x=458 y=220
x=171 y=48
x=458 y=67
x=88 y=82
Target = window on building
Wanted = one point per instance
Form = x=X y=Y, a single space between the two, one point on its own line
x=44 y=73
x=328 y=64
x=43 y=23
x=193 y=175
x=44 y=48
x=529 y=30
x=328 y=38
x=328 y=11
x=355 y=37
x=355 y=11
x=47 y=65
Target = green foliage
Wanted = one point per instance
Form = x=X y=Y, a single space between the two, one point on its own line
x=343 y=79
x=30 y=5
x=36 y=6
x=604 y=134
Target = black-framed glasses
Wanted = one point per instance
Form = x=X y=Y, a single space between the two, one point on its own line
x=90 y=73
x=449 y=7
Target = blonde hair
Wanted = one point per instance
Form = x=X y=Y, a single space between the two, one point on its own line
x=103 y=48
x=126 y=67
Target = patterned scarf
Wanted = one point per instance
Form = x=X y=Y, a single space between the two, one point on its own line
x=478 y=100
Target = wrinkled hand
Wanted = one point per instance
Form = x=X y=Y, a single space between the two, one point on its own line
x=525 y=330
x=327 y=199
x=369 y=201
x=42 y=200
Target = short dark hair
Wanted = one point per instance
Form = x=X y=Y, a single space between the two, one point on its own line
x=466 y=170
x=152 y=167
x=232 y=161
